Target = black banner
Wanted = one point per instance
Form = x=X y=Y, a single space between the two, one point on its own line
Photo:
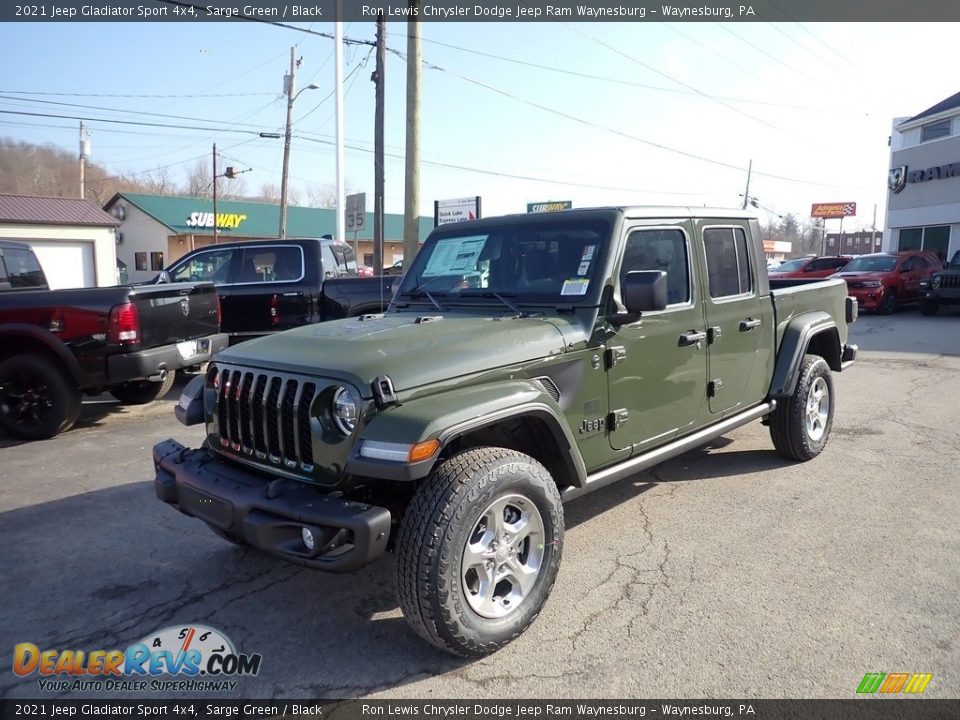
x=856 y=709
x=311 y=11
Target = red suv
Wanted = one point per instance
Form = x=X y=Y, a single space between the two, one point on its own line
x=882 y=281
x=810 y=267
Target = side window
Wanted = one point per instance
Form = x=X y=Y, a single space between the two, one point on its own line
x=3 y=273
x=660 y=250
x=211 y=266
x=23 y=269
x=728 y=262
x=824 y=264
x=345 y=260
x=329 y=263
x=271 y=264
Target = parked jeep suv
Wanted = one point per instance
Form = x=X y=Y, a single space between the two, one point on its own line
x=943 y=288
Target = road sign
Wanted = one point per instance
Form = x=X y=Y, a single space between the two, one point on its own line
x=457 y=210
x=356 y=212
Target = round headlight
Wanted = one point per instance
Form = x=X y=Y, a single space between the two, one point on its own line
x=345 y=408
x=936 y=281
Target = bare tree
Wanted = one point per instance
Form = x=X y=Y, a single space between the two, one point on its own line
x=200 y=180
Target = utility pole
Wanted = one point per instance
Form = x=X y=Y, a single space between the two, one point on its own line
x=290 y=88
x=746 y=193
x=84 y=154
x=341 y=193
x=411 y=211
x=378 y=79
x=214 y=193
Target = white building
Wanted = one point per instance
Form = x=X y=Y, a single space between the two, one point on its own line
x=73 y=239
x=923 y=198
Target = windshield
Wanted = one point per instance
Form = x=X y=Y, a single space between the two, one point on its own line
x=542 y=262
x=792 y=265
x=872 y=263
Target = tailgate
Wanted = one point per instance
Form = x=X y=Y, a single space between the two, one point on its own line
x=173 y=312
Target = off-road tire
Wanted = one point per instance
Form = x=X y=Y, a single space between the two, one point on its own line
x=888 y=302
x=37 y=399
x=433 y=535
x=929 y=307
x=789 y=422
x=141 y=392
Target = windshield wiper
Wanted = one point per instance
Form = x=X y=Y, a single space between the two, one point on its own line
x=498 y=296
x=421 y=290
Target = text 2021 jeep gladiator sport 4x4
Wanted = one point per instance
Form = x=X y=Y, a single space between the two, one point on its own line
x=524 y=361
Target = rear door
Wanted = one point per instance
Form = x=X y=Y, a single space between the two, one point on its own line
x=656 y=366
x=267 y=293
x=734 y=314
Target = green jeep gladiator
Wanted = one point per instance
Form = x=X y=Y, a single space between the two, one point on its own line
x=524 y=361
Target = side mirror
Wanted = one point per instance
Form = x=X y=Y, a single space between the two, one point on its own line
x=163 y=277
x=645 y=290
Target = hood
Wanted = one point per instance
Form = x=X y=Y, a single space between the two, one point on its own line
x=866 y=275
x=411 y=348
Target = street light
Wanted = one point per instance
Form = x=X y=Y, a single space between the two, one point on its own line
x=291 y=97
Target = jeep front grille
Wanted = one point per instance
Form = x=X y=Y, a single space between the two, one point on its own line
x=950 y=281
x=266 y=417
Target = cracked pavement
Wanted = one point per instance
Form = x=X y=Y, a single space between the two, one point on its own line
x=727 y=572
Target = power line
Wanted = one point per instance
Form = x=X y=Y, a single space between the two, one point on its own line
x=133 y=95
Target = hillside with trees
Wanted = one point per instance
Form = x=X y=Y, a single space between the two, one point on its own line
x=47 y=170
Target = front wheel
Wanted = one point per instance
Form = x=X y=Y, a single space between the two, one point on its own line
x=929 y=307
x=141 y=392
x=888 y=303
x=479 y=550
x=800 y=425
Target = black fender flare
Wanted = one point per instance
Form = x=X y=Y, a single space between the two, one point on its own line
x=49 y=341
x=797 y=336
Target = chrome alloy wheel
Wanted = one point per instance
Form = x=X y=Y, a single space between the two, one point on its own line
x=818 y=409
x=502 y=556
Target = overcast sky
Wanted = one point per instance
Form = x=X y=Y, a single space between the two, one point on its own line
x=596 y=113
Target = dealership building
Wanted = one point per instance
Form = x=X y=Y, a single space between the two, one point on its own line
x=923 y=199
x=156 y=230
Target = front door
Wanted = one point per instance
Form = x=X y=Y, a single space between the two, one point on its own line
x=735 y=321
x=657 y=365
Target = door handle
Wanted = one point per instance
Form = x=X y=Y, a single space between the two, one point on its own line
x=692 y=338
x=749 y=324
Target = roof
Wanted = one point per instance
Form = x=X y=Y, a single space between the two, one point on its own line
x=950 y=103
x=34 y=210
x=256 y=219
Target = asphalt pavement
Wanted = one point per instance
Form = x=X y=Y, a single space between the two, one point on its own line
x=727 y=572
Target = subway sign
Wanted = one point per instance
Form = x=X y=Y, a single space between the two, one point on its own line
x=224 y=220
x=552 y=206
x=899 y=176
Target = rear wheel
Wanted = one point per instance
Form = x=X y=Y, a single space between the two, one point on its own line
x=37 y=400
x=929 y=307
x=800 y=425
x=141 y=392
x=479 y=549
x=888 y=303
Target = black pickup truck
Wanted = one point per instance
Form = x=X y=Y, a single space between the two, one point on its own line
x=272 y=285
x=56 y=345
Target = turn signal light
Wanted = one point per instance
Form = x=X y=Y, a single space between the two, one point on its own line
x=423 y=450
x=123 y=326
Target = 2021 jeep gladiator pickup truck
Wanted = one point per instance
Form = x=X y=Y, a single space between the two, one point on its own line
x=524 y=361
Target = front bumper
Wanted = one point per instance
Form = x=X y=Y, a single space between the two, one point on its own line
x=269 y=514
x=867 y=298
x=147 y=363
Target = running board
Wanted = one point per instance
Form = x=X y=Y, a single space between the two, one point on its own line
x=610 y=475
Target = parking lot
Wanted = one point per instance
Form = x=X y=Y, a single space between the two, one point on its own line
x=727 y=572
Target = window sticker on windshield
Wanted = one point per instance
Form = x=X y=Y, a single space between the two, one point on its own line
x=575 y=286
x=588 y=253
x=584 y=267
x=455 y=256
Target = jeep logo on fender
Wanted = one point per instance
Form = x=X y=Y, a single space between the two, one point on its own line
x=224 y=220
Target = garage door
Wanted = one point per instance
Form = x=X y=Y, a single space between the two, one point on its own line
x=66 y=263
